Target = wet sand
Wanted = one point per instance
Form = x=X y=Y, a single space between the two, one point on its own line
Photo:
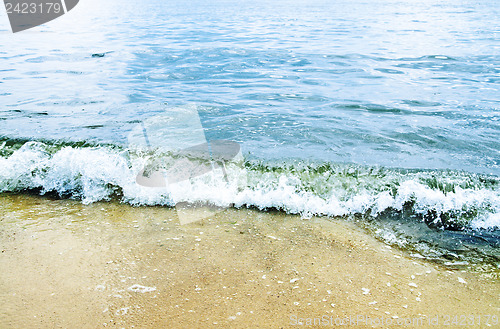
x=68 y=265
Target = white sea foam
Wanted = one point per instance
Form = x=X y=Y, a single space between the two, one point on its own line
x=100 y=173
x=141 y=289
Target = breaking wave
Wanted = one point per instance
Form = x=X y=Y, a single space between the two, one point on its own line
x=452 y=200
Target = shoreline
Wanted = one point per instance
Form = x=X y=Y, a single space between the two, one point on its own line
x=66 y=264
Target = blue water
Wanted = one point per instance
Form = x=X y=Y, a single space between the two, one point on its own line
x=391 y=83
x=384 y=108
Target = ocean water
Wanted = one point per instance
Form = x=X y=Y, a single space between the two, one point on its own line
x=385 y=112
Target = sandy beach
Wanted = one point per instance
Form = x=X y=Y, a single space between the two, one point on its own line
x=68 y=265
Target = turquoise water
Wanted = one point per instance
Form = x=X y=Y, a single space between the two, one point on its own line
x=383 y=109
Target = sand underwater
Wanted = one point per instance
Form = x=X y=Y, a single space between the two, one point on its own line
x=69 y=265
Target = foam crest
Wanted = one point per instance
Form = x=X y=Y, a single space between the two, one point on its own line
x=449 y=199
